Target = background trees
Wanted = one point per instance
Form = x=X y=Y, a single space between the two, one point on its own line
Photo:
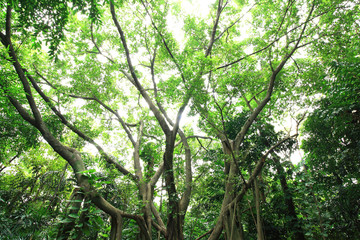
x=167 y=118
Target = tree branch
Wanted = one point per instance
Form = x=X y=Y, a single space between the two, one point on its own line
x=165 y=43
x=240 y=136
x=136 y=82
x=271 y=43
x=213 y=32
x=157 y=175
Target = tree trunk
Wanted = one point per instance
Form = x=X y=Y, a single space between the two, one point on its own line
x=175 y=220
x=232 y=224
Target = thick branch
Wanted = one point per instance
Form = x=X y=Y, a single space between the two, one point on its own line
x=158 y=218
x=8 y=23
x=26 y=86
x=20 y=109
x=157 y=175
x=137 y=165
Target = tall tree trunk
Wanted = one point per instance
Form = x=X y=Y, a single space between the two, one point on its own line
x=175 y=220
x=232 y=224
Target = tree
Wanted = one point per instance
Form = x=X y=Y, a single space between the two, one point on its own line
x=331 y=145
x=124 y=56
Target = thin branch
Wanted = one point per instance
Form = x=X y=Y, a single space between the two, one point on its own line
x=197 y=136
x=246 y=101
x=235 y=22
x=120 y=120
x=258 y=169
x=12 y=159
x=43 y=78
x=207 y=233
x=21 y=43
x=240 y=136
x=271 y=43
x=290 y=3
x=96 y=46
x=165 y=43
x=200 y=145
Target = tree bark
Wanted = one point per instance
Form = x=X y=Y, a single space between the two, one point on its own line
x=231 y=224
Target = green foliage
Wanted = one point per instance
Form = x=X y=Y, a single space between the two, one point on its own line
x=332 y=147
x=93 y=86
x=207 y=194
x=30 y=194
x=333 y=128
x=16 y=136
x=49 y=18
